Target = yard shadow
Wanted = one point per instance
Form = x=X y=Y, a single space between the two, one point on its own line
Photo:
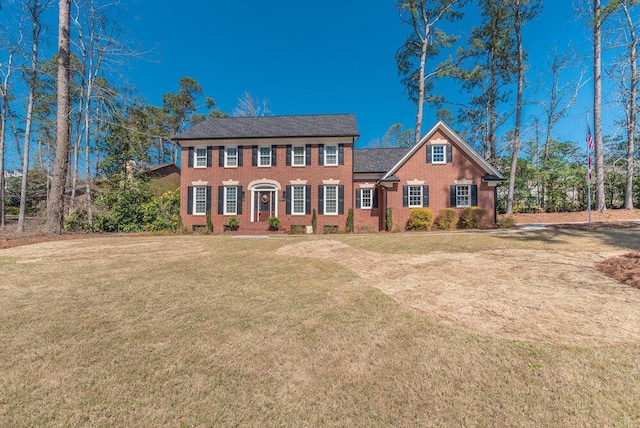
x=546 y=236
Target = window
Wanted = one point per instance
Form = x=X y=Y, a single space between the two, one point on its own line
x=366 y=198
x=298 y=200
x=199 y=200
x=438 y=154
x=264 y=156
x=463 y=196
x=231 y=157
x=331 y=199
x=415 y=196
x=201 y=158
x=331 y=155
x=298 y=156
x=230 y=200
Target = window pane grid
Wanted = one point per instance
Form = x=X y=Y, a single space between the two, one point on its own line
x=298 y=200
x=298 y=155
x=366 y=201
x=201 y=157
x=331 y=200
x=231 y=156
x=265 y=156
x=200 y=200
x=230 y=200
x=331 y=155
x=437 y=153
x=415 y=196
x=463 y=196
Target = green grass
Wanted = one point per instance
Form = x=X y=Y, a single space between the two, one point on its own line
x=213 y=331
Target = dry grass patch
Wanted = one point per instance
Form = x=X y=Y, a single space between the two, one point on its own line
x=212 y=331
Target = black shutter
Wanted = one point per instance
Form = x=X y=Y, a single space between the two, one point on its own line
x=209 y=156
x=405 y=196
x=453 y=196
x=320 y=154
x=240 y=151
x=307 y=199
x=221 y=159
x=340 y=154
x=274 y=155
x=220 y=199
x=449 y=153
x=190 y=200
x=288 y=161
x=358 y=197
x=425 y=196
x=307 y=154
x=429 y=154
x=374 y=195
x=341 y=199
x=190 y=160
x=474 y=195
x=239 y=198
x=320 y=199
x=287 y=198
x=208 y=208
x=254 y=155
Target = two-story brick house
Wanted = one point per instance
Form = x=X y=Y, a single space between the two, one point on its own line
x=288 y=166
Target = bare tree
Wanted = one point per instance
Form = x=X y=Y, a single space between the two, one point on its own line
x=35 y=9
x=55 y=202
x=251 y=107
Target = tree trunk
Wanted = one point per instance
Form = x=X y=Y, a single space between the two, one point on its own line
x=423 y=61
x=3 y=132
x=597 y=107
x=55 y=203
x=631 y=109
x=516 y=132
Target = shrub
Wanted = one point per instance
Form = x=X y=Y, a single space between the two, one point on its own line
x=389 y=220
x=349 y=226
x=447 y=219
x=234 y=223
x=77 y=221
x=297 y=229
x=314 y=221
x=209 y=222
x=474 y=218
x=163 y=213
x=506 y=221
x=11 y=210
x=329 y=229
x=420 y=219
x=274 y=223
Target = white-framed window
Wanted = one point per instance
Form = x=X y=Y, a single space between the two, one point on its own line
x=366 y=198
x=298 y=156
x=298 y=198
x=230 y=200
x=463 y=195
x=230 y=157
x=331 y=200
x=200 y=160
x=331 y=155
x=199 y=200
x=415 y=196
x=438 y=154
x=264 y=156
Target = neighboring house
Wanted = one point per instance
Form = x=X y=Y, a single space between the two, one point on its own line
x=163 y=178
x=253 y=168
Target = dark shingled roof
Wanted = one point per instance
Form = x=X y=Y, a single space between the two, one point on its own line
x=377 y=160
x=326 y=125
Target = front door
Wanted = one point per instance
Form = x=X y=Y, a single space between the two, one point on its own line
x=265 y=209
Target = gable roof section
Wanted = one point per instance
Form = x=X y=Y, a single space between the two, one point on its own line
x=459 y=142
x=326 y=125
x=378 y=160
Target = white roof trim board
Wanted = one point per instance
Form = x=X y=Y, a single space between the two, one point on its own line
x=455 y=138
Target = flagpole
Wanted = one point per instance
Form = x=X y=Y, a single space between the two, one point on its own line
x=589 y=147
x=589 y=192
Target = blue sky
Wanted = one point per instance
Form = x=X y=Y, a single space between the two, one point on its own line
x=308 y=57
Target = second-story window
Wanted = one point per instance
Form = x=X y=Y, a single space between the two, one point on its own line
x=201 y=158
x=231 y=157
x=331 y=155
x=264 y=156
x=298 y=156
